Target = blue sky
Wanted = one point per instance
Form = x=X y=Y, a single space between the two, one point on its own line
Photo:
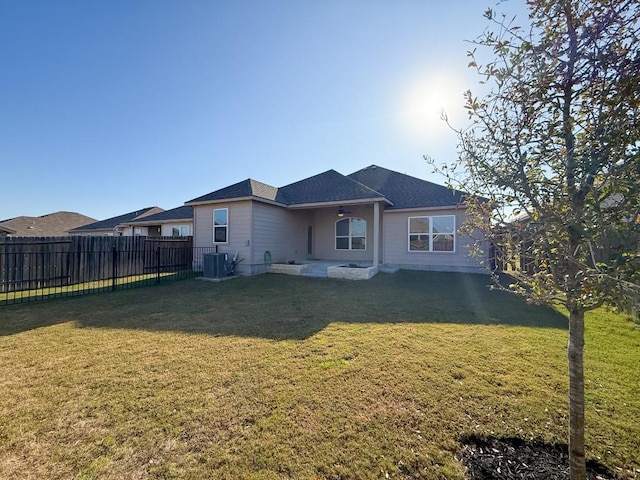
x=111 y=106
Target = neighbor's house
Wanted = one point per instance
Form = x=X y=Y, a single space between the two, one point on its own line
x=55 y=224
x=177 y=222
x=375 y=216
x=5 y=231
x=121 y=225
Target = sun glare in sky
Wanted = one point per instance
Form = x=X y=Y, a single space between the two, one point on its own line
x=425 y=100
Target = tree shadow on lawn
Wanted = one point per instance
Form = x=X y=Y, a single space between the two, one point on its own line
x=279 y=307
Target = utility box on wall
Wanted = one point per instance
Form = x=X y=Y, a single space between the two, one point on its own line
x=215 y=265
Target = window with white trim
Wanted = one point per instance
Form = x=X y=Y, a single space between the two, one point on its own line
x=180 y=230
x=221 y=225
x=432 y=234
x=351 y=234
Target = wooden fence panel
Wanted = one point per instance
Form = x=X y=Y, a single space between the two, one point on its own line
x=28 y=263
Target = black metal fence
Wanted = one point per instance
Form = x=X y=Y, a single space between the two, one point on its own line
x=33 y=269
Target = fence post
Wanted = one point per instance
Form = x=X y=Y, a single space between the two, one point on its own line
x=158 y=263
x=114 y=267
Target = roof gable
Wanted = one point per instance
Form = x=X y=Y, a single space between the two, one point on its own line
x=406 y=191
x=329 y=186
x=243 y=189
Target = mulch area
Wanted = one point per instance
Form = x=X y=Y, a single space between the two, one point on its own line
x=517 y=459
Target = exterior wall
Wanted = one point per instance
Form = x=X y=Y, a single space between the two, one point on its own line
x=396 y=245
x=128 y=231
x=238 y=235
x=257 y=227
x=96 y=233
x=281 y=232
x=166 y=227
x=325 y=235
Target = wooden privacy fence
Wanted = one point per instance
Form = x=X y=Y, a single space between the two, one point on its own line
x=35 y=263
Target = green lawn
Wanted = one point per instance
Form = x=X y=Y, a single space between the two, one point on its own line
x=285 y=377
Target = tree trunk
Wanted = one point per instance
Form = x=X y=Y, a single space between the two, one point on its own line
x=577 y=463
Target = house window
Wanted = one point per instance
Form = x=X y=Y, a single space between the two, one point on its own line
x=220 y=225
x=180 y=231
x=137 y=231
x=432 y=234
x=351 y=234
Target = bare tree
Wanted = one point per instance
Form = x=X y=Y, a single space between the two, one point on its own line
x=556 y=144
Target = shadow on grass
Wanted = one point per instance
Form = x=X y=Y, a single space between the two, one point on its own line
x=88 y=288
x=283 y=307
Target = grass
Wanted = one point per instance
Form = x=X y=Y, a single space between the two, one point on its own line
x=43 y=293
x=286 y=377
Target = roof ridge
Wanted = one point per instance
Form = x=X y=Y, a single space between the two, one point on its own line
x=312 y=176
x=366 y=186
x=407 y=191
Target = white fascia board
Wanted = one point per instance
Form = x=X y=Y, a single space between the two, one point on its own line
x=161 y=222
x=339 y=203
x=422 y=209
x=236 y=199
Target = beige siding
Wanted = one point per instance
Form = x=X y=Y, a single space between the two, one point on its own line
x=128 y=231
x=281 y=232
x=256 y=227
x=239 y=234
x=105 y=232
x=166 y=228
x=325 y=235
x=396 y=246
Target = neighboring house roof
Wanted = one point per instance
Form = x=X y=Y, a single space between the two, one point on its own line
x=113 y=222
x=406 y=191
x=398 y=190
x=6 y=230
x=179 y=214
x=55 y=224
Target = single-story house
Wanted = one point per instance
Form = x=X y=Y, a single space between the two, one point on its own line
x=121 y=225
x=6 y=231
x=176 y=222
x=375 y=216
x=55 y=224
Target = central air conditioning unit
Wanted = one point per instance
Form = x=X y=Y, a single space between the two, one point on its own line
x=215 y=265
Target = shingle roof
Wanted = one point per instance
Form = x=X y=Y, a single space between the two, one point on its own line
x=55 y=224
x=329 y=186
x=406 y=191
x=245 y=188
x=397 y=189
x=111 y=223
x=179 y=213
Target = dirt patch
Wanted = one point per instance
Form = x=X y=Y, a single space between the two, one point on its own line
x=517 y=459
